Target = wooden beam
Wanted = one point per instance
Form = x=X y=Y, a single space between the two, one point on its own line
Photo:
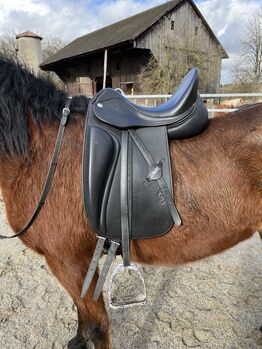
x=105 y=68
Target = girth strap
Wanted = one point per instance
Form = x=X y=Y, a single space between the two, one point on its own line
x=160 y=180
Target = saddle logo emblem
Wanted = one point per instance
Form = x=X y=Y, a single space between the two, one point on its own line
x=161 y=197
x=155 y=171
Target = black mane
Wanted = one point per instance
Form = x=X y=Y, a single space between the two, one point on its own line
x=21 y=92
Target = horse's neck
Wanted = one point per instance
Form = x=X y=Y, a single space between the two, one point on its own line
x=22 y=178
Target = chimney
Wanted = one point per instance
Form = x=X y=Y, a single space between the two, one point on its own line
x=29 y=51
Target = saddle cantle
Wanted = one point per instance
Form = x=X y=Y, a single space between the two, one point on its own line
x=127 y=179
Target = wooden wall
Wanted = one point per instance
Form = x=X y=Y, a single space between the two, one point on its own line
x=123 y=69
x=187 y=25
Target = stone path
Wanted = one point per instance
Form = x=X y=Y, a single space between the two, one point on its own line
x=216 y=303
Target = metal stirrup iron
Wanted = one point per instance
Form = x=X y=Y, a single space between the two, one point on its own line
x=141 y=300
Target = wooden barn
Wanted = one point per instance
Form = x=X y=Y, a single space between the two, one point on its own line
x=114 y=55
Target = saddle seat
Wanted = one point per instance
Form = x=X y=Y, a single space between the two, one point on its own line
x=184 y=113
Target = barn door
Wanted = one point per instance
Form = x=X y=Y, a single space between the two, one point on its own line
x=99 y=83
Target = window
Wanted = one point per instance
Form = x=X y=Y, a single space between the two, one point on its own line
x=130 y=88
x=196 y=30
x=172 y=25
x=127 y=87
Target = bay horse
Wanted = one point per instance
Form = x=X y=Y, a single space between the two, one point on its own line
x=217 y=180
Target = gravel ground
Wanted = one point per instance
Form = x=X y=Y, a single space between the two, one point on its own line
x=215 y=303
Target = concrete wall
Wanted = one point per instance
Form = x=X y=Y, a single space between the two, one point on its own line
x=30 y=52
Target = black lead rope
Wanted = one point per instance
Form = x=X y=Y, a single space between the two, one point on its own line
x=50 y=174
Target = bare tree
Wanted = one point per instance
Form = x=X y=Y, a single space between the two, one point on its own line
x=8 y=46
x=247 y=66
x=162 y=75
x=49 y=47
x=252 y=47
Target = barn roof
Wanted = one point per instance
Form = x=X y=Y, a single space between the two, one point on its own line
x=120 y=32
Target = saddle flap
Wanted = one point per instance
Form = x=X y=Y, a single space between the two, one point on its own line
x=101 y=152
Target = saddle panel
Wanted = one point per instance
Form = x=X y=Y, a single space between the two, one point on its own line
x=193 y=124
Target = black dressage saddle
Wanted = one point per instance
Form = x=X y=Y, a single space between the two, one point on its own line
x=127 y=179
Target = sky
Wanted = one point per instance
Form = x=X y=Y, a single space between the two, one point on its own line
x=70 y=19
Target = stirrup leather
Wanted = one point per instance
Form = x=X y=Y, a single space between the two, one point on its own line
x=94 y=265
